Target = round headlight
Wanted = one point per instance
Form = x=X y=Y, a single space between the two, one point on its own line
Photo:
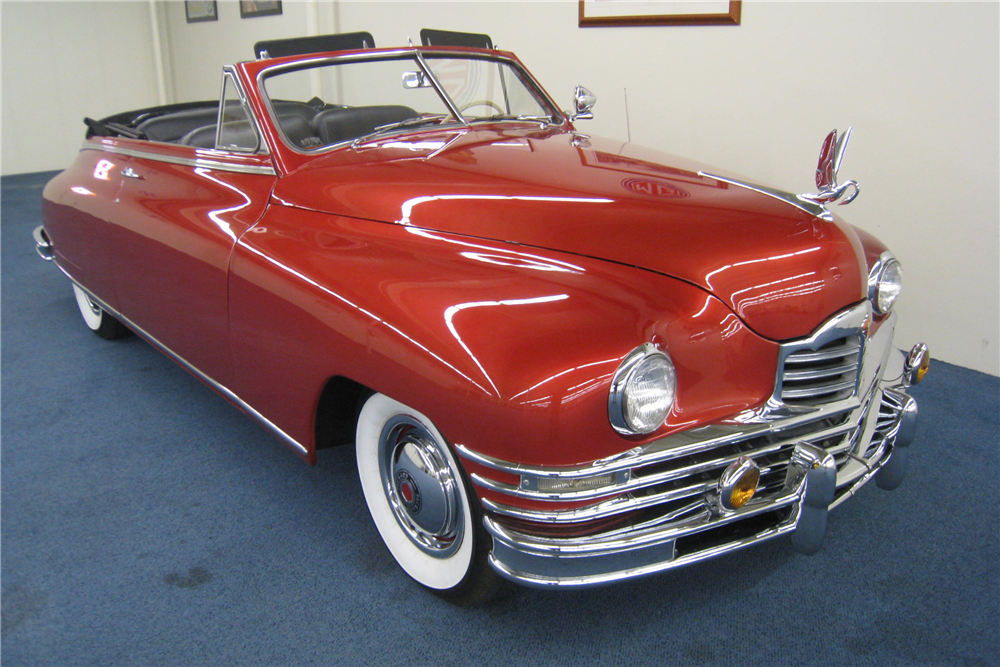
x=642 y=391
x=888 y=286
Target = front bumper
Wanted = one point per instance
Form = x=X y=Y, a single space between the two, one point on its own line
x=656 y=510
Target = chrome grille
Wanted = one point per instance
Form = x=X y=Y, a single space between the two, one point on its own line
x=822 y=375
x=660 y=511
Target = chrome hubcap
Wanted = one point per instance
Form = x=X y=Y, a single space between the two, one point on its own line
x=421 y=487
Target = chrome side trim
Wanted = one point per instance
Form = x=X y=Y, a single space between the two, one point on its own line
x=799 y=202
x=617 y=505
x=215 y=386
x=199 y=162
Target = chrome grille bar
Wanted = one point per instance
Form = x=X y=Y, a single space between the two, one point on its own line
x=825 y=354
x=815 y=374
x=821 y=374
x=772 y=444
x=817 y=390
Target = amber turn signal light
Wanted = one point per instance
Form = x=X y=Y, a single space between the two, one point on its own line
x=918 y=362
x=739 y=483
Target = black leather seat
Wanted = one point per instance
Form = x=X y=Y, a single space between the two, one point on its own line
x=333 y=126
x=200 y=137
x=298 y=131
x=289 y=108
x=172 y=126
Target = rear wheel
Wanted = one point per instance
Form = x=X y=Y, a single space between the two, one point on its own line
x=99 y=321
x=420 y=502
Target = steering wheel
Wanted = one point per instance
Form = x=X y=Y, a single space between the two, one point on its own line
x=483 y=103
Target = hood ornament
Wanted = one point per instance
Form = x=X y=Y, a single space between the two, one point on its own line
x=831 y=155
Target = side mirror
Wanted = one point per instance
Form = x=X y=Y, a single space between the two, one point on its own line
x=415 y=80
x=584 y=101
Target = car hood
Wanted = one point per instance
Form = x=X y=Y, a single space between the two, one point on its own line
x=782 y=270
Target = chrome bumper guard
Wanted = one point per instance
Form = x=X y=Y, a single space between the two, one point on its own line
x=811 y=460
x=42 y=244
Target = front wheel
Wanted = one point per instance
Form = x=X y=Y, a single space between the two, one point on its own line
x=419 y=500
x=97 y=319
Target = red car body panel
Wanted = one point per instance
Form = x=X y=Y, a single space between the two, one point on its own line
x=780 y=269
x=515 y=305
x=508 y=268
x=166 y=244
x=471 y=331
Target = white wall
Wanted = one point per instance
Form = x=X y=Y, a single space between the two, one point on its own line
x=920 y=82
x=63 y=61
x=198 y=51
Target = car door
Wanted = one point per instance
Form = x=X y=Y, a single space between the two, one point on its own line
x=179 y=214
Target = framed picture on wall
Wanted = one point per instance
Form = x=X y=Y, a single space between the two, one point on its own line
x=198 y=10
x=253 y=8
x=619 y=13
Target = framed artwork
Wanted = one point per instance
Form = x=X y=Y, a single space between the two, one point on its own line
x=602 y=13
x=197 y=11
x=252 y=8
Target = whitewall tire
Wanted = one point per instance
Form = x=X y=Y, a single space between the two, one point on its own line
x=96 y=319
x=420 y=502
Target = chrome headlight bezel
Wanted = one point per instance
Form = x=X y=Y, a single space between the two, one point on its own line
x=885 y=282
x=642 y=359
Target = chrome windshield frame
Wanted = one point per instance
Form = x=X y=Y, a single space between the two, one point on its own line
x=229 y=73
x=417 y=54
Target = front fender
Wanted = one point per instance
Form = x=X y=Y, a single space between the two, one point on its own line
x=509 y=350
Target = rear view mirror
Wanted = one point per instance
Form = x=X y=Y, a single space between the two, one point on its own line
x=584 y=101
x=415 y=80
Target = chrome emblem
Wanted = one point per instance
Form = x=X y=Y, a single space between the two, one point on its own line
x=831 y=155
x=408 y=492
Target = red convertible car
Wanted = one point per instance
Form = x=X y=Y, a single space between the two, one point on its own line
x=563 y=360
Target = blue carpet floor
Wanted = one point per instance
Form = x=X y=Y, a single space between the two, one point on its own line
x=145 y=521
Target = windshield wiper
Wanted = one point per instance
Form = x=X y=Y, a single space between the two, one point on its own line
x=409 y=122
x=523 y=117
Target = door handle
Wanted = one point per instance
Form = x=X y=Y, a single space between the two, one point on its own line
x=129 y=172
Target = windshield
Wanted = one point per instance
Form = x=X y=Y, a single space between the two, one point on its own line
x=483 y=89
x=333 y=102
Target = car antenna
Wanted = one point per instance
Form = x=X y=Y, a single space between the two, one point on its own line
x=628 y=126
